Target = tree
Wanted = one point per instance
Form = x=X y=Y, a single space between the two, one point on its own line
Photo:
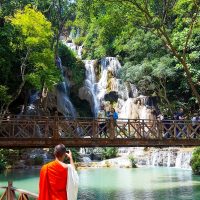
x=175 y=23
x=166 y=19
x=98 y=25
x=30 y=43
x=58 y=12
x=149 y=66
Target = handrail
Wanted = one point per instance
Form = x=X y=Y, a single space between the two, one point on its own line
x=10 y=193
x=45 y=131
x=53 y=117
x=22 y=191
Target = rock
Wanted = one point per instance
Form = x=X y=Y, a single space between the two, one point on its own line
x=111 y=96
x=20 y=164
x=85 y=94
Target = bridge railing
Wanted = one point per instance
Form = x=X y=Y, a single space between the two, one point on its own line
x=12 y=193
x=61 y=127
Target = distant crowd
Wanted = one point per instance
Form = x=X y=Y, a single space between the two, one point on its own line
x=181 y=129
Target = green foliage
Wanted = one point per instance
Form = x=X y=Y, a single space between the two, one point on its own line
x=35 y=36
x=109 y=152
x=72 y=64
x=27 y=57
x=38 y=160
x=75 y=154
x=100 y=24
x=151 y=38
x=4 y=97
x=8 y=157
x=79 y=41
x=195 y=161
x=2 y=161
x=133 y=162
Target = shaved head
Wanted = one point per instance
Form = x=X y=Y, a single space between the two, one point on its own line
x=59 y=150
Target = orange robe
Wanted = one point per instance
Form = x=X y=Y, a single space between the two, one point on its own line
x=53 y=182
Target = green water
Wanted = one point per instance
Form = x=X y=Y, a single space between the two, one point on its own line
x=122 y=184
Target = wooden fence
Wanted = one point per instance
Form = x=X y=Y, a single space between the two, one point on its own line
x=59 y=129
x=12 y=193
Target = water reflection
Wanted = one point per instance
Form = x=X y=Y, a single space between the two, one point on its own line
x=139 y=184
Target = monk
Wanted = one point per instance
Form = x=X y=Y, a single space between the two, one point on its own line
x=59 y=181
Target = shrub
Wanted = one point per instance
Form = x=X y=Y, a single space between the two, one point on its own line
x=195 y=161
x=38 y=160
x=109 y=152
x=72 y=64
x=2 y=165
x=79 y=41
x=133 y=162
x=8 y=157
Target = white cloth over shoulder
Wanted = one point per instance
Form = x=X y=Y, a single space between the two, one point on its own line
x=72 y=183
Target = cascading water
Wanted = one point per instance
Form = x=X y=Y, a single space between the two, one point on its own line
x=75 y=48
x=64 y=104
x=108 y=64
x=152 y=157
x=168 y=159
x=183 y=159
x=90 y=84
x=110 y=88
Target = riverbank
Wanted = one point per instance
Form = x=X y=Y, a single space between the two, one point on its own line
x=149 y=157
x=155 y=157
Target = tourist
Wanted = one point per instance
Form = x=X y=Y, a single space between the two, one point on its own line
x=180 y=114
x=112 y=117
x=102 y=121
x=112 y=114
x=195 y=124
x=180 y=117
x=59 y=181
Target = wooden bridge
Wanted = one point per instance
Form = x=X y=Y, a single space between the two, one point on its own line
x=48 y=131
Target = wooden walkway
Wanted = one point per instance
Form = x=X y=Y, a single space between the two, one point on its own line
x=30 y=131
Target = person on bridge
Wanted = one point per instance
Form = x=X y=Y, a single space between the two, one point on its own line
x=59 y=181
x=102 y=121
x=113 y=114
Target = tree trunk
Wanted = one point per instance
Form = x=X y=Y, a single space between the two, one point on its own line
x=190 y=81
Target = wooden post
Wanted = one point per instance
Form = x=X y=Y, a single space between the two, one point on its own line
x=46 y=129
x=9 y=195
x=188 y=131
x=112 y=128
x=160 y=129
x=129 y=129
x=56 y=129
x=94 y=128
x=143 y=131
x=174 y=129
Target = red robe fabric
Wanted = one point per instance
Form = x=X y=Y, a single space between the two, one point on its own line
x=53 y=182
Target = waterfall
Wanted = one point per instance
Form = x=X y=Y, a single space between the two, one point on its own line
x=153 y=157
x=74 y=48
x=168 y=159
x=109 y=87
x=90 y=84
x=179 y=160
x=183 y=160
x=64 y=105
x=94 y=91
